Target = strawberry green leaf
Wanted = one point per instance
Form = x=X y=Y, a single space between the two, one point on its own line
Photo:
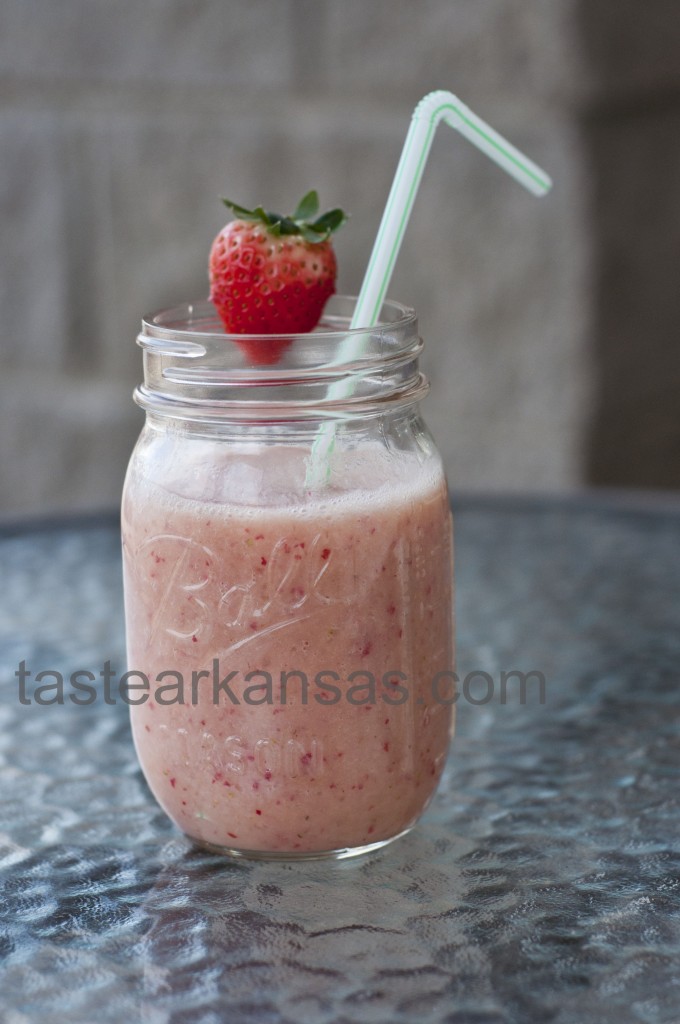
x=310 y=235
x=299 y=223
x=308 y=207
x=329 y=222
x=241 y=211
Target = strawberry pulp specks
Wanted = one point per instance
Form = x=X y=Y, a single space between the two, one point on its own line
x=272 y=275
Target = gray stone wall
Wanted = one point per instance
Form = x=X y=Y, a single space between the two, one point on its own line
x=551 y=326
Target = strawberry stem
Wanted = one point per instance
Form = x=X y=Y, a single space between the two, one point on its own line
x=299 y=223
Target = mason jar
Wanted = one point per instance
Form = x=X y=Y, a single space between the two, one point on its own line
x=288 y=573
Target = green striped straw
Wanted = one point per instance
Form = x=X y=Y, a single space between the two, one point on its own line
x=433 y=108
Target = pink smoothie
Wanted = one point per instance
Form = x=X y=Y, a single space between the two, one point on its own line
x=303 y=634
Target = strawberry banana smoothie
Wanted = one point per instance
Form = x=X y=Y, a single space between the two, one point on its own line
x=292 y=641
x=287 y=559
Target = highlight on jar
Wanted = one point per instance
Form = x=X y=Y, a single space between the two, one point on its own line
x=286 y=518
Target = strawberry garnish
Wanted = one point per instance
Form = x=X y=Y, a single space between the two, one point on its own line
x=272 y=275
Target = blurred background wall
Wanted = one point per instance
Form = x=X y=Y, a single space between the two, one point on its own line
x=551 y=326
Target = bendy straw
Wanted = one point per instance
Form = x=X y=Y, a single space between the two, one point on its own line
x=433 y=108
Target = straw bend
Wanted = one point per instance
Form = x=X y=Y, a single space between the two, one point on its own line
x=436 y=103
x=444 y=106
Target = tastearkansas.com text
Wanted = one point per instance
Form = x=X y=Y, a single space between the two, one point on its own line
x=259 y=687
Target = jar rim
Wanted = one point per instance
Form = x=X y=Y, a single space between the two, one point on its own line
x=193 y=372
x=199 y=321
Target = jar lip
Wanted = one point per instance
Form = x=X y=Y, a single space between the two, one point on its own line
x=198 y=322
x=194 y=369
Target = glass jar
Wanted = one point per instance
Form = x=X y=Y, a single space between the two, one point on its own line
x=288 y=584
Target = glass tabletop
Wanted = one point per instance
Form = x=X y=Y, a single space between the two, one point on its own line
x=542 y=884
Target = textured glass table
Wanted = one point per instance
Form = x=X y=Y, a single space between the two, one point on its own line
x=542 y=885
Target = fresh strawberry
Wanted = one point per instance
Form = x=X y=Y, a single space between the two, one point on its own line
x=272 y=275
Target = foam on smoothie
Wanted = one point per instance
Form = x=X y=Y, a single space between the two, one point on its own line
x=243 y=483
